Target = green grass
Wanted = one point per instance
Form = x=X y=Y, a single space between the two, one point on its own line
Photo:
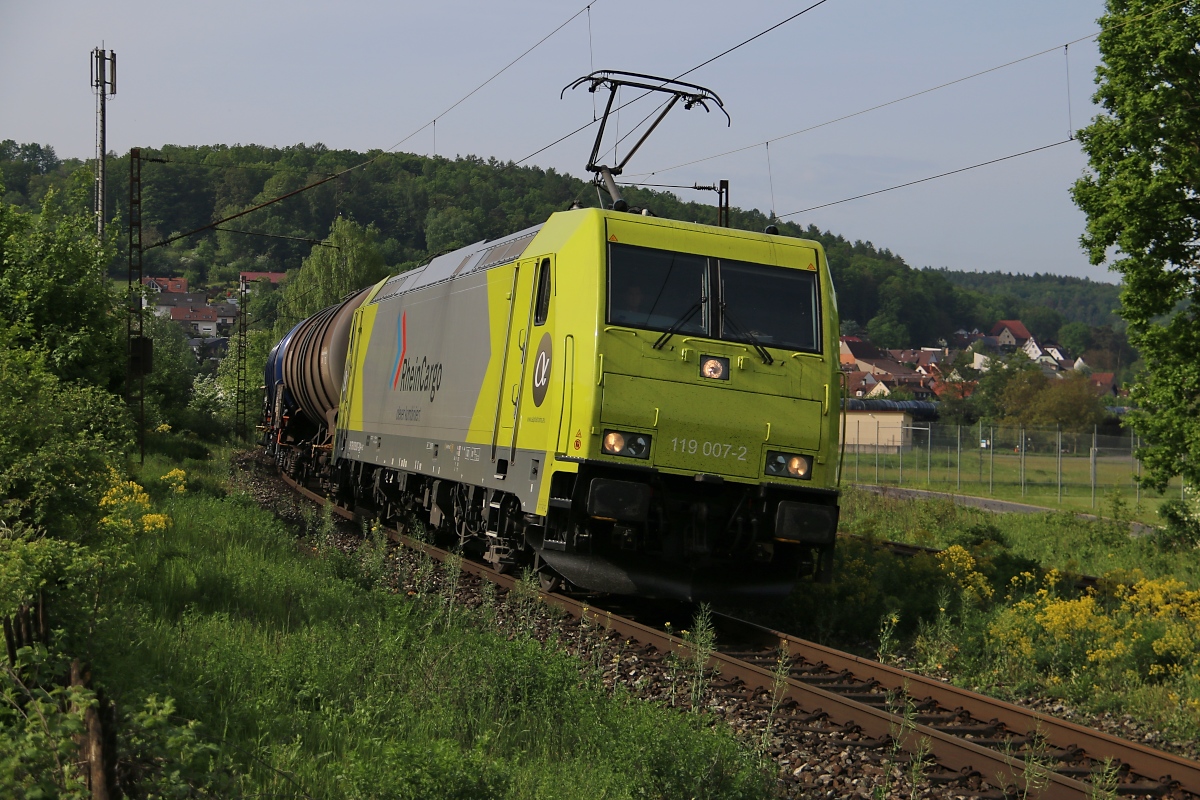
x=992 y=615
x=998 y=475
x=312 y=681
x=1051 y=540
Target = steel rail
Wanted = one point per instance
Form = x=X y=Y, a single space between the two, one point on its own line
x=952 y=753
x=1142 y=760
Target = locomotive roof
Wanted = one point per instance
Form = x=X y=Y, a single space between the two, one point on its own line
x=481 y=255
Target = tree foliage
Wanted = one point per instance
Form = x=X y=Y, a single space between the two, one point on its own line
x=57 y=440
x=1142 y=200
x=53 y=289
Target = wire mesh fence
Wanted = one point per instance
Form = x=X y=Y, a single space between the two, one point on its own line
x=1047 y=466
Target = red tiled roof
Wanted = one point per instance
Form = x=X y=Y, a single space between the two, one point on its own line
x=1103 y=382
x=1014 y=325
x=192 y=314
x=167 y=284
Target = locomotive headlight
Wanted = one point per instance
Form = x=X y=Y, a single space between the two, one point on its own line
x=630 y=445
x=788 y=465
x=714 y=367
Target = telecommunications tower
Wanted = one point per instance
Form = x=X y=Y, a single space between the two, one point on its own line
x=104 y=83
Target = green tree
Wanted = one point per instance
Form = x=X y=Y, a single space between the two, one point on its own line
x=1043 y=322
x=169 y=384
x=1020 y=396
x=1076 y=337
x=57 y=440
x=53 y=288
x=1142 y=200
x=349 y=261
x=1070 y=403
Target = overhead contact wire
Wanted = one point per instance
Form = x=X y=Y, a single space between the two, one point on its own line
x=677 y=77
x=911 y=96
x=925 y=180
x=373 y=159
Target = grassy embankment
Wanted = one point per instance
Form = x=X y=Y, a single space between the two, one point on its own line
x=310 y=678
x=998 y=610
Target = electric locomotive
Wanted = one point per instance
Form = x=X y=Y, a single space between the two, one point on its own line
x=624 y=403
x=630 y=404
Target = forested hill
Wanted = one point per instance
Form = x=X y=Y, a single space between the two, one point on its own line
x=414 y=206
x=1077 y=299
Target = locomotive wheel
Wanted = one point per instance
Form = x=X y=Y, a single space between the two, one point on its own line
x=549 y=581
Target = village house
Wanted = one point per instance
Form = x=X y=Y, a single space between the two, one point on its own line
x=175 y=285
x=1010 y=333
x=201 y=320
x=165 y=301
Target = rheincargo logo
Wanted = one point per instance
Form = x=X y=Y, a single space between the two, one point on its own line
x=418 y=376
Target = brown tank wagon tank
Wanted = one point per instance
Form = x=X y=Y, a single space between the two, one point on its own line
x=314 y=360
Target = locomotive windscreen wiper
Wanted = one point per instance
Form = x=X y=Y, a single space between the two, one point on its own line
x=679 y=323
x=749 y=337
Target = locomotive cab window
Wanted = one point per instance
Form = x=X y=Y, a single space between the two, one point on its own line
x=775 y=306
x=543 y=294
x=657 y=289
x=736 y=301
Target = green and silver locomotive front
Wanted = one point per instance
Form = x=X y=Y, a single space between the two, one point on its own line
x=712 y=464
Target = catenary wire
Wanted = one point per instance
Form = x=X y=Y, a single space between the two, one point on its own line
x=677 y=77
x=375 y=158
x=925 y=180
x=908 y=96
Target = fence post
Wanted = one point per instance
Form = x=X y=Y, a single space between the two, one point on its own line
x=1058 y=459
x=900 y=452
x=1021 y=432
x=857 y=445
x=929 y=455
x=981 y=451
x=958 y=458
x=1095 y=429
x=991 y=456
x=877 y=451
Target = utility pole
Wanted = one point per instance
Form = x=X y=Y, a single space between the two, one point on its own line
x=723 y=204
x=139 y=348
x=242 y=341
x=104 y=83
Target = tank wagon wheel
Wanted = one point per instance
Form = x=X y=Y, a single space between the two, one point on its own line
x=548 y=579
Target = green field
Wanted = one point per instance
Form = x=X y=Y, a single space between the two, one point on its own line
x=1037 y=478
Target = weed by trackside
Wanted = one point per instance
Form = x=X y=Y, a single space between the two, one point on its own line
x=451 y=577
x=887 y=637
x=702 y=642
x=1105 y=781
x=779 y=677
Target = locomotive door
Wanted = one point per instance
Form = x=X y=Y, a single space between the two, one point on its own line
x=525 y=396
x=520 y=313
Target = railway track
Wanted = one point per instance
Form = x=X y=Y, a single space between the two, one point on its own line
x=967 y=744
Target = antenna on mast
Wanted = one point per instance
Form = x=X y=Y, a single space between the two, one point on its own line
x=689 y=93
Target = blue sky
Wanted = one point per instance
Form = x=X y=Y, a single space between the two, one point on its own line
x=368 y=74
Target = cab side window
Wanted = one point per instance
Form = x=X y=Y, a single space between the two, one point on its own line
x=543 y=294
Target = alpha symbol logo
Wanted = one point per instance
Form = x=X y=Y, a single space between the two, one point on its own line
x=541 y=369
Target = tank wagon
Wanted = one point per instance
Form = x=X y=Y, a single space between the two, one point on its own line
x=625 y=403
